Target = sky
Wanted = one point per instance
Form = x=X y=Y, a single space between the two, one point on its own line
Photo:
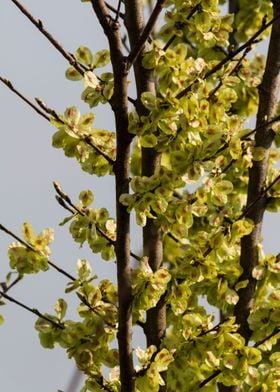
x=29 y=164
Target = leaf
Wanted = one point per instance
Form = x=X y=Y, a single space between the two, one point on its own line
x=91 y=80
x=100 y=59
x=72 y=74
x=149 y=100
x=1 y=319
x=84 y=55
x=28 y=233
x=86 y=198
x=259 y=153
x=84 y=269
x=60 y=308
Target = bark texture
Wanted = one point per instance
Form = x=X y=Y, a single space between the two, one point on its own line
x=268 y=95
x=119 y=104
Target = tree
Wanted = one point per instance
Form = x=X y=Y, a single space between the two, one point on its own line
x=197 y=181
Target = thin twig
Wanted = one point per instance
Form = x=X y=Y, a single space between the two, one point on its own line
x=6 y=287
x=9 y=84
x=31 y=310
x=260 y=196
x=116 y=11
x=68 y=200
x=231 y=55
x=275 y=332
x=145 y=34
x=31 y=248
x=39 y=24
x=210 y=378
x=226 y=145
x=174 y=36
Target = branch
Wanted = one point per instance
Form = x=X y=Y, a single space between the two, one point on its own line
x=38 y=23
x=31 y=248
x=231 y=55
x=9 y=84
x=31 y=310
x=87 y=139
x=256 y=203
x=53 y=113
x=64 y=198
x=8 y=287
x=174 y=36
x=119 y=103
x=260 y=342
x=116 y=11
x=259 y=197
x=210 y=378
x=145 y=34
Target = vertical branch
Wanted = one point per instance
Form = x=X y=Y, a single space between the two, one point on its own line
x=119 y=104
x=268 y=92
x=152 y=240
x=233 y=8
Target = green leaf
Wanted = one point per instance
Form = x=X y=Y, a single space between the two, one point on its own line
x=149 y=100
x=72 y=74
x=60 y=308
x=100 y=59
x=84 y=55
x=86 y=198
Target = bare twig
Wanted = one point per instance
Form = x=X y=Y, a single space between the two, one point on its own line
x=116 y=11
x=6 y=287
x=9 y=84
x=31 y=310
x=39 y=24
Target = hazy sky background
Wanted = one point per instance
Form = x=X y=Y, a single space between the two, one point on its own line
x=28 y=165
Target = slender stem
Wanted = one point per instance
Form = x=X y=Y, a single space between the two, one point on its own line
x=31 y=248
x=174 y=36
x=63 y=197
x=275 y=332
x=210 y=378
x=9 y=84
x=31 y=310
x=38 y=23
x=113 y=9
x=8 y=287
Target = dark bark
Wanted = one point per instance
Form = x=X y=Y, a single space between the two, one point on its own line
x=152 y=241
x=119 y=105
x=268 y=93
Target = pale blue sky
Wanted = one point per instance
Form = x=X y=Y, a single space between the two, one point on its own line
x=28 y=165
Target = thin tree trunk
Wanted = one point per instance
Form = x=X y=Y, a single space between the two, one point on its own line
x=119 y=103
x=152 y=239
x=268 y=94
